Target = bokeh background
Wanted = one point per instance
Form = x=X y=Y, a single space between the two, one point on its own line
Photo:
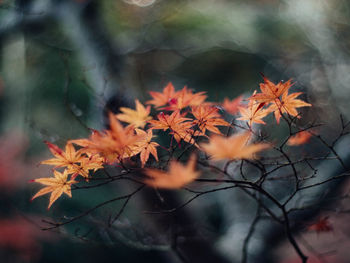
x=62 y=62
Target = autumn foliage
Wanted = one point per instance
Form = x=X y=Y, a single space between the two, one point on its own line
x=193 y=125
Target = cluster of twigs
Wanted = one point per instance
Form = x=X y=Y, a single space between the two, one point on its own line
x=281 y=163
x=258 y=178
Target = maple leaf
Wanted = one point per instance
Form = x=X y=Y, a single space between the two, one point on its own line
x=113 y=144
x=162 y=98
x=176 y=100
x=56 y=185
x=207 y=118
x=67 y=158
x=233 y=148
x=145 y=146
x=185 y=98
x=231 y=106
x=92 y=162
x=178 y=125
x=322 y=225
x=177 y=176
x=253 y=112
x=75 y=162
x=287 y=104
x=270 y=91
x=299 y=138
x=166 y=121
x=138 y=117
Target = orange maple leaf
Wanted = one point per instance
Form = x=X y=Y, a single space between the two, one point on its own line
x=207 y=118
x=176 y=100
x=233 y=148
x=287 y=104
x=253 y=112
x=138 y=117
x=232 y=106
x=113 y=144
x=145 y=146
x=92 y=162
x=270 y=91
x=56 y=185
x=185 y=98
x=177 y=176
x=178 y=125
x=162 y=98
x=299 y=138
x=166 y=121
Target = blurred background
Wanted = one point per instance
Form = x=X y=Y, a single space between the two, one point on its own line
x=62 y=62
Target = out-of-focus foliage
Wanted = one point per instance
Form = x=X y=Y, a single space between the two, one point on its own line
x=48 y=92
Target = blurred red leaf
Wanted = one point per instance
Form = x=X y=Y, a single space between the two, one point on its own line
x=322 y=225
x=12 y=168
x=21 y=237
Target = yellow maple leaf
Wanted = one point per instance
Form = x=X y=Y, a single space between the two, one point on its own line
x=75 y=162
x=177 y=176
x=67 y=158
x=138 y=117
x=232 y=148
x=56 y=185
